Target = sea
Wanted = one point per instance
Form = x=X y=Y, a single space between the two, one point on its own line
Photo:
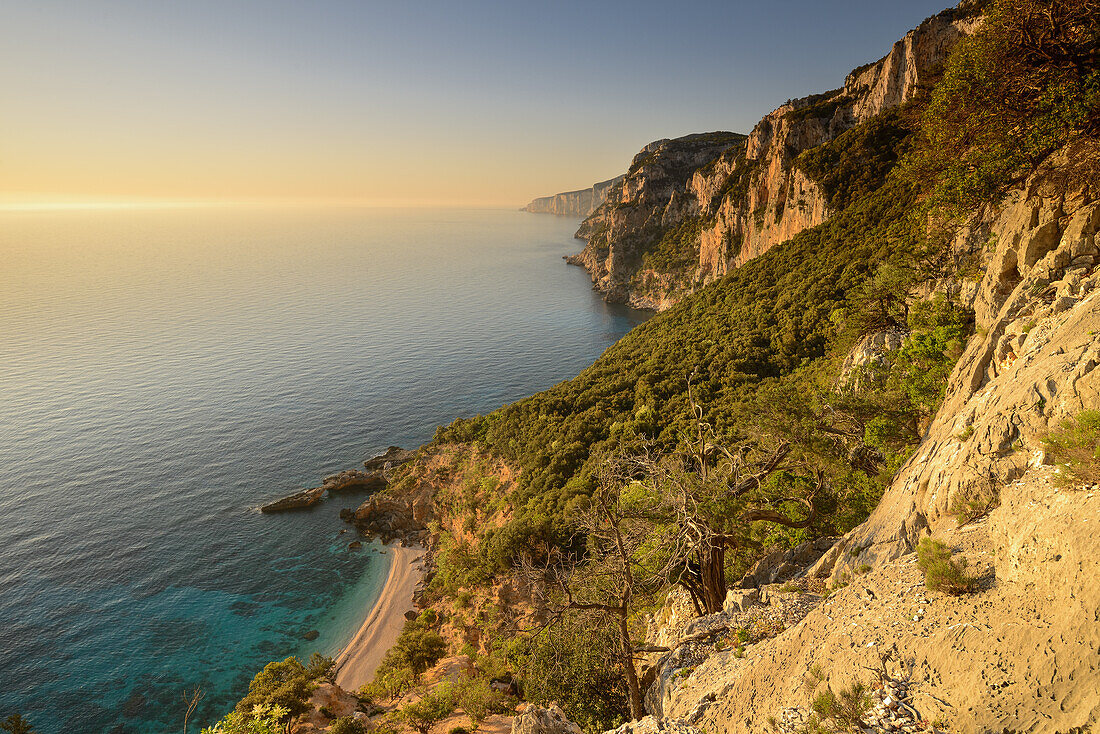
x=165 y=371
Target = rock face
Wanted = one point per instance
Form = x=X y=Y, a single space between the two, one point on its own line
x=782 y=566
x=648 y=201
x=578 y=203
x=389 y=516
x=719 y=206
x=1017 y=654
x=870 y=354
x=335 y=701
x=1031 y=365
x=539 y=720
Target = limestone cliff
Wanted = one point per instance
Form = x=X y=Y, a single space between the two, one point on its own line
x=687 y=213
x=1019 y=653
x=578 y=203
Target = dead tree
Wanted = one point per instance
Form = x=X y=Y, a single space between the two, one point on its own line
x=623 y=561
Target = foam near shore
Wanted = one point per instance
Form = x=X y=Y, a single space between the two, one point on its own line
x=357 y=662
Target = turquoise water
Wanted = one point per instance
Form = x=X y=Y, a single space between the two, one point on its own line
x=164 y=372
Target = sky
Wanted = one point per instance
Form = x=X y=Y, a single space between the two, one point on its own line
x=407 y=103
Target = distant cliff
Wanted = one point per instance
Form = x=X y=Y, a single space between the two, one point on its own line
x=691 y=209
x=578 y=203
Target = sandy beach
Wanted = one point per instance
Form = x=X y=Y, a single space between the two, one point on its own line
x=357 y=662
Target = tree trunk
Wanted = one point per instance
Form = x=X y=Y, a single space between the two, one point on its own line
x=712 y=574
x=637 y=710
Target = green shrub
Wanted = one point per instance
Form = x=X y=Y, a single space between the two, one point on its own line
x=841 y=712
x=678 y=249
x=418 y=647
x=284 y=684
x=436 y=705
x=261 y=719
x=941 y=571
x=1075 y=445
x=321 y=667
x=974 y=503
x=477 y=698
x=578 y=667
x=347 y=725
x=1024 y=84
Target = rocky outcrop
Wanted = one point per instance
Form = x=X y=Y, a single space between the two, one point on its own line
x=578 y=203
x=543 y=720
x=390 y=516
x=1016 y=655
x=298 y=501
x=653 y=725
x=1031 y=364
x=393 y=457
x=374 y=478
x=869 y=355
x=780 y=565
x=351 y=479
x=663 y=234
x=329 y=702
x=642 y=208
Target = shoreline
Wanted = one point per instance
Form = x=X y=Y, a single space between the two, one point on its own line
x=360 y=658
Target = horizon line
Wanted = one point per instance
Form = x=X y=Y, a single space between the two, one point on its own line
x=46 y=203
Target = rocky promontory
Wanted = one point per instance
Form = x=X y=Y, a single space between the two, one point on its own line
x=374 y=478
x=578 y=203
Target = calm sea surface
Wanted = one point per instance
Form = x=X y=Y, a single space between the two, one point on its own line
x=162 y=373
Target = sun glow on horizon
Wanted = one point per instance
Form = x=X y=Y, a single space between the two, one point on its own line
x=55 y=204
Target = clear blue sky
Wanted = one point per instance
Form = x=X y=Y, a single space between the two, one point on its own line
x=477 y=102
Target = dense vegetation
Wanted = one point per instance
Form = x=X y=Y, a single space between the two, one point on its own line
x=1021 y=87
x=678 y=249
x=763 y=331
x=855 y=163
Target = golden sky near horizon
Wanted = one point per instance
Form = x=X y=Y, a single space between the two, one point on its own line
x=483 y=103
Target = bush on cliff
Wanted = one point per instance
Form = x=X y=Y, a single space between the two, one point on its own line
x=260 y=719
x=576 y=666
x=418 y=647
x=436 y=705
x=347 y=725
x=1075 y=446
x=941 y=571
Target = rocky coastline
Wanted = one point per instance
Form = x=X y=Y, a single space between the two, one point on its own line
x=376 y=476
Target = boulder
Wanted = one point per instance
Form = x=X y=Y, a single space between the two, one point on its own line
x=780 y=565
x=539 y=720
x=737 y=600
x=652 y=725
